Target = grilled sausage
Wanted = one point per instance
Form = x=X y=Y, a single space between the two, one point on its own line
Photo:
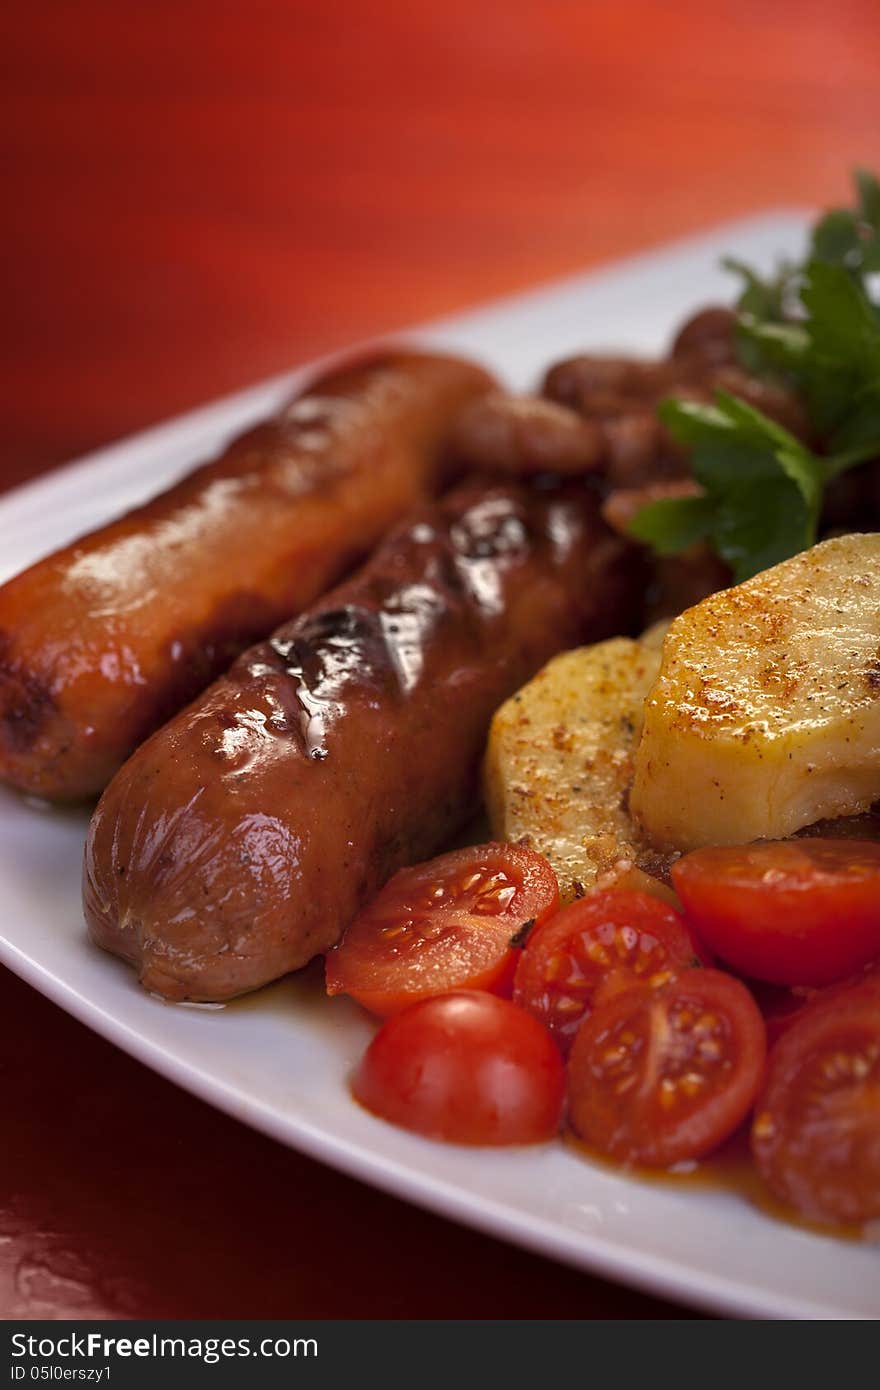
x=523 y=435
x=709 y=335
x=105 y=639
x=241 y=839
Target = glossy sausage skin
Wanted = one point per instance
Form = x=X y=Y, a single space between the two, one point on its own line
x=523 y=436
x=241 y=839
x=105 y=639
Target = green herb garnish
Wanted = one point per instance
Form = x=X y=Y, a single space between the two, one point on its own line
x=762 y=487
x=850 y=237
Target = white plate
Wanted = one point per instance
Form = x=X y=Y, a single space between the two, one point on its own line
x=279 y=1061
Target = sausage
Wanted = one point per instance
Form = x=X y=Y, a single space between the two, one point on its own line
x=105 y=639
x=709 y=335
x=523 y=435
x=242 y=838
x=599 y=387
x=640 y=451
x=618 y=397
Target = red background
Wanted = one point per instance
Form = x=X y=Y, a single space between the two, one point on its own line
x=202 y=193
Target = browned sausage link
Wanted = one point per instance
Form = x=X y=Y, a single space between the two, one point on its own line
x=600 y=387
x=102 y=641
x=709 y=336
x=639 y=450
x=241 y=839
x=522 y=435
x=620 y=396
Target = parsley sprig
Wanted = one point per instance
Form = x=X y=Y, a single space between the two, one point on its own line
x=816 y=327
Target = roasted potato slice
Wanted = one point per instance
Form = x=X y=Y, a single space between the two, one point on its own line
x=766 y=713
x=559 y=762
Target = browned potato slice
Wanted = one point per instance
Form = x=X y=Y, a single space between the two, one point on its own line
x=766 y=713
x=559 y=762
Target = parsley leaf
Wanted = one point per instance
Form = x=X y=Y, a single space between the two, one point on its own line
x=868 y=189
x=836 y=239
x=673 y=523
x=762 y=487
x=763 y=300
x=850 y=237
x=752 y=537
x=843 y=357
x=859 y=432
x=766 y=297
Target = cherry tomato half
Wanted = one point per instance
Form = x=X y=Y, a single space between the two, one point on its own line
x=661 y=1075
x=451 y=923
x=794 y=912
x=816 y=1132
x=466 y=1067
x=595 y=945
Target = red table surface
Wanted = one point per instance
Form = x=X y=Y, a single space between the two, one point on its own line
x=202 y=193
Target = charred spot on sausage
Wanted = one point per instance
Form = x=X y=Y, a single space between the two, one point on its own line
x=27 y=703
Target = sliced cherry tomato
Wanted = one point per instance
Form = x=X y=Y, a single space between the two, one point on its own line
x=661 y=1075
x=794 y=912
x=452 y=923
x=466 y=1067
x=816 y=1132
x=594 y=946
